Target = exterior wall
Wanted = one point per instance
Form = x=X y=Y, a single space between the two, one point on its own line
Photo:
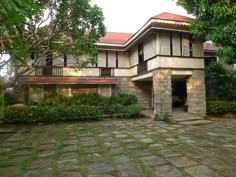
x=64 y=89
x=141 y=89
x=162 y=91
x=196 y=93
x=149 y=47
x=178 y=62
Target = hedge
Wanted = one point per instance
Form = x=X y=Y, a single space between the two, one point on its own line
x=220 y=107
x=29 y=114
x=79 y=107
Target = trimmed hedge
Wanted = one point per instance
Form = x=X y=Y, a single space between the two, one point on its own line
x=78 y=107
x=220 y=107
x=29 y=114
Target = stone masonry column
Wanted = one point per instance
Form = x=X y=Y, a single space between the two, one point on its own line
x=162 y=93
x=196 y=93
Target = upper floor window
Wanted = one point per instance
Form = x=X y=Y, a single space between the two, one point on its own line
x=140 y=53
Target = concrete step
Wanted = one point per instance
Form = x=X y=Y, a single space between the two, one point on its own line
x=183 y=119
x=196 y=122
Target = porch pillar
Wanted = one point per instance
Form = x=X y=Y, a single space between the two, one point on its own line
x=196 y=94
x=162 y=91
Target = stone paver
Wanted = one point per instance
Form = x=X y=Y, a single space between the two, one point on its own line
x=100 y=167
x=201 y=171
x=119 y=148
x=38 y=173
x=167 y=171
x=152 y=160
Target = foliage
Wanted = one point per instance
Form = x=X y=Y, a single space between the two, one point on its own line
x=79 y=107
x=9 y=99
x=53 y=100
x=220 y=107
x=123 y=99
x=29 y=114
x=58 y=26
x=215 y=21
x=221 y=81
x=134 y=109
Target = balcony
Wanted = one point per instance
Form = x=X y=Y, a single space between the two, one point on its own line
x=49 y=71
x=142 y=68
x=106 y=72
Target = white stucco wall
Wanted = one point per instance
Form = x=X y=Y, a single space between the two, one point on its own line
x=178 y=62
x=82 y=72
x=122 y=72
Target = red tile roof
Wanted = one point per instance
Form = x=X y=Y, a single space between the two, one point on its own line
x=172 y=17
x=115 y=38
x=210 y=47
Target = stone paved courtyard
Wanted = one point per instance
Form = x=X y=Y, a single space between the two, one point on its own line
x=119 y=148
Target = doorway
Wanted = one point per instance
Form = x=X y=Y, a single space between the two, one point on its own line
x=179 y=94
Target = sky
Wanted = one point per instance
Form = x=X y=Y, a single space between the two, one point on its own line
x=130 y=15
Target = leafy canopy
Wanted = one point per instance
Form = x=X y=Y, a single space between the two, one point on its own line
x=71 y=26
x=215 y=21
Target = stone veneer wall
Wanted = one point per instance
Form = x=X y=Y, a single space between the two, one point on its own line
x=141 y=89
x=162 y=90
x=196 y=93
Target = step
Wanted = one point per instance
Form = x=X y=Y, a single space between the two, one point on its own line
x=196 y=122
x=183 y=119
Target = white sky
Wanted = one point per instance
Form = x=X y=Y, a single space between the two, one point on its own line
x=130 y=15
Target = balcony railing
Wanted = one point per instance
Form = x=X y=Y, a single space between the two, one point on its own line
x=106 y=72
x=49 y=71
x=142 y=68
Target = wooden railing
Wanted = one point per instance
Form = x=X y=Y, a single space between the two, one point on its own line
x=49 y=71
x=142 y=68
x=106 y=72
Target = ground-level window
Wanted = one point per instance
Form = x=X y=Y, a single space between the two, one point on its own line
x=104 y=90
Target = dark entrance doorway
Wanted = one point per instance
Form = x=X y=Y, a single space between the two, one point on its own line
x=179 y=94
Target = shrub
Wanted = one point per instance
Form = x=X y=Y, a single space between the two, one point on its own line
x=9 y=99
x=87 y=99
x=29 y=114
x=123 y=99
x=134 y=109
x=220 y=107
x=84 y=112
x=54 y=100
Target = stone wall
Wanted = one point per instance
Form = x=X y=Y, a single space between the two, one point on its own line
x=141 y=89
x=162 y=93
x=196 y=93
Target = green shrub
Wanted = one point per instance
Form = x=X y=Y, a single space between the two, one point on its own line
x=123 y=99
x=84 y=112
x=9 y=99
x=87 y=99
x=54 y=100
x=134 y=109
x=220 y=107
x=29 y=114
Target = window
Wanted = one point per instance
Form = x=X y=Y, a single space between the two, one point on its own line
x=65 y=59
x=140 y=54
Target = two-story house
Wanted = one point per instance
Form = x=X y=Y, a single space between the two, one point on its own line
x=159 y=63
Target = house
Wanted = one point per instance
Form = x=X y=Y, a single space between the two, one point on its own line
x=161 y=64
x=210 y=54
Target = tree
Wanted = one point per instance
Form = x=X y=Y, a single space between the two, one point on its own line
x=215 y=21
x=56 y=26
